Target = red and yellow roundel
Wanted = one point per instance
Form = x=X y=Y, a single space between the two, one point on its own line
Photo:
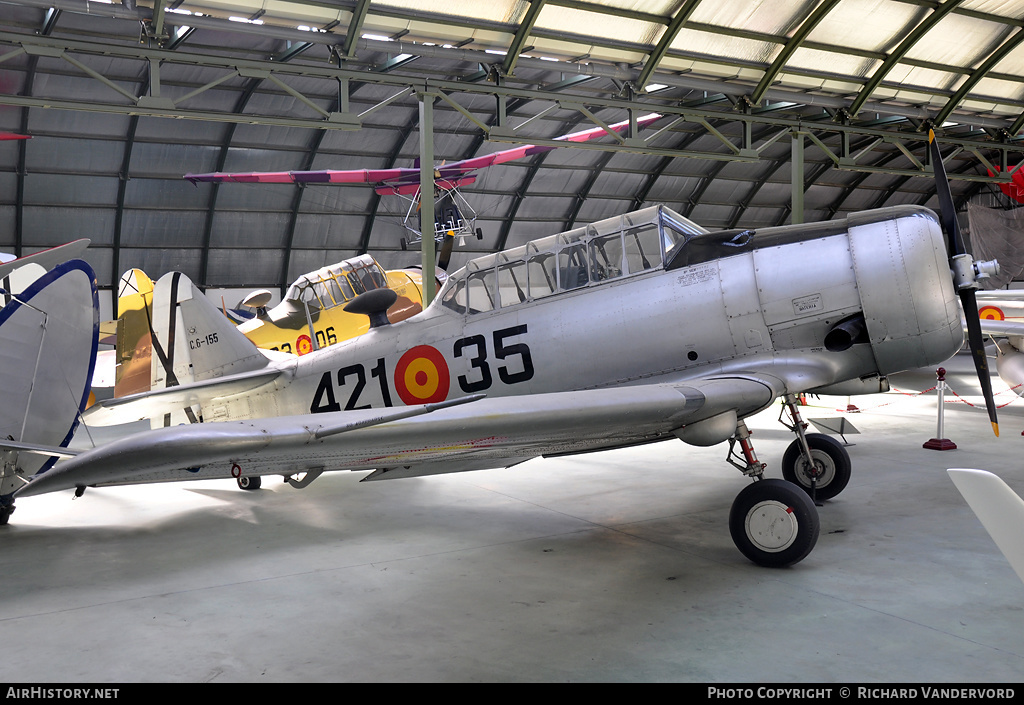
x=421 y=376
x=303 y=345
x=991 y=313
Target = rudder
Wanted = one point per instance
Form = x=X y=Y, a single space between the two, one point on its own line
x=134 y=336
x=193 y=341
x=48 y=341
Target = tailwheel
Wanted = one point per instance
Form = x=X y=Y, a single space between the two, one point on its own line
x=249 y=483
x=827 y=472
x=774 y=523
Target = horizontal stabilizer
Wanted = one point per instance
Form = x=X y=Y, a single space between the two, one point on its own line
x=151 y=405
x=998 y=507
x=47 y=259
x=49 y=451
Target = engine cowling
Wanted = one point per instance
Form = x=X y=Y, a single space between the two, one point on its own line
x=909 y=306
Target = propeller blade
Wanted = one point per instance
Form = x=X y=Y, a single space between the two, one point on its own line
x=976 y=342
x=955 y=244
x=947 y=213
x=446 y=251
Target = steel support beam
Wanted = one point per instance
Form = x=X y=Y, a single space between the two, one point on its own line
x=791 y=46
x=149 y=106
x=426 y=104
x=522 y=34
x=665 y=42
x=897 y=54
x=979 y=73
x=797 y=179
x=355 y=27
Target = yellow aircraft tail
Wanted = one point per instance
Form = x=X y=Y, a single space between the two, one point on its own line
x=134 y=333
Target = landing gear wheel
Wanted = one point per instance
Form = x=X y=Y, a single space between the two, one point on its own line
x=5 y=513
x=774 y=523
x=831 y=465
x=249 y=483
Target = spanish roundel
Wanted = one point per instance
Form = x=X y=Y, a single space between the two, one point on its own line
x=991 y=313
x=303 y=345
x=421 y=376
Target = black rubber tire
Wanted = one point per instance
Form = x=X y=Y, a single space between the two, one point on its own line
x=832 y=458
x=774 y=523
x=250 y=482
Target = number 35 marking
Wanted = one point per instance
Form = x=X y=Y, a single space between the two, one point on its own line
x=477 y=345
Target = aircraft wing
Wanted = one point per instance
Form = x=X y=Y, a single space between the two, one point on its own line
x=1001 y=328
x=488 y=433
x=47 y=259
x=407 y=180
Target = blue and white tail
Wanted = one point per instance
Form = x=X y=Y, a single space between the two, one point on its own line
x=48 y=339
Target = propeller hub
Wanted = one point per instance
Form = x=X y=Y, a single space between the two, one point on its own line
x=986 y=268
x=967 y=272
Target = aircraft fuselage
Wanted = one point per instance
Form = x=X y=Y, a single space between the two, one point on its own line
x=699 y=304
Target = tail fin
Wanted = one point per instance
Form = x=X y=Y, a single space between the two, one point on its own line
x=192 y=340
x=48 y=340
x=134 y=336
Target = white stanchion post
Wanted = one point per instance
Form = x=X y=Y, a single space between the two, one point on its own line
x=940 y=442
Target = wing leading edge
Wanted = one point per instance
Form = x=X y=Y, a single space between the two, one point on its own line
x=489 y=433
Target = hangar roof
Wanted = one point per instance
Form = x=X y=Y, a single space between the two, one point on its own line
x=122 y=99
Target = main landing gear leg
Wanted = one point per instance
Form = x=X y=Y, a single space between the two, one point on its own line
x=772 y=522
x=10 y=479
x=816 y=462
x=6 y=509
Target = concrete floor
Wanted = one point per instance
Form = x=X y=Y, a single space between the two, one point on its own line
x=607 y=567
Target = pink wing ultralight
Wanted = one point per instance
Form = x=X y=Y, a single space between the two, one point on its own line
x=406 y=180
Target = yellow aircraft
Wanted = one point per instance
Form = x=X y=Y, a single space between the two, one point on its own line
x=311 y=315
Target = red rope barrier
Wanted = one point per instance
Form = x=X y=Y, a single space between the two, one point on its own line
x=947 y=401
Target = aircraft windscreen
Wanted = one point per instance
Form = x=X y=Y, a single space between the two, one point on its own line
x=607 y=250
x=366 y=279
x=310 y=296
x=338 y=283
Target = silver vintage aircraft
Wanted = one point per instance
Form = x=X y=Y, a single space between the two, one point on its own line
x=641 y=328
